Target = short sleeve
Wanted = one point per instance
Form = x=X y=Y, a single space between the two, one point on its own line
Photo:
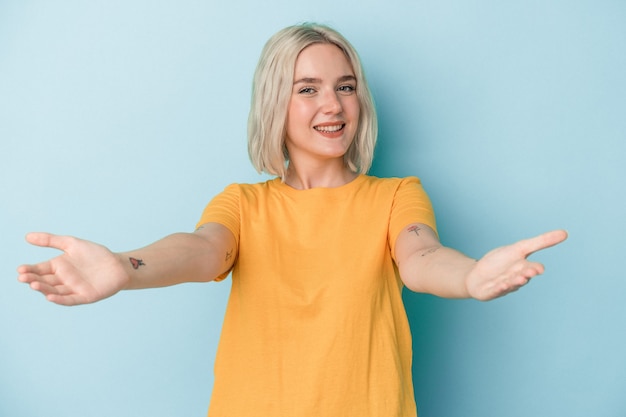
x=410 y=205
x=224 y=209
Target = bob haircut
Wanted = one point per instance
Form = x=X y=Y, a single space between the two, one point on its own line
x=272 y=89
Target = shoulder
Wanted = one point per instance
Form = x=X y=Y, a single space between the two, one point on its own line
x=256 y=189
x=244 y=188
x=392 y=183
x=390 y=180
x=244 y=194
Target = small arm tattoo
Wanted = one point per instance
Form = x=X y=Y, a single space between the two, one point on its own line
x=136 y=263
x=229 y=255
x=415 y=229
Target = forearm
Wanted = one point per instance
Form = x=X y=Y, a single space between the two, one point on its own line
x=439 y=271
x=178 y=258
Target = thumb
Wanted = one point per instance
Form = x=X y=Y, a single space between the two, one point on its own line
x=47 y=240
x=543 y=241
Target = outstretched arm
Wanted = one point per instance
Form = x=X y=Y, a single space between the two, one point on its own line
x=427 y=266
x=87 y=272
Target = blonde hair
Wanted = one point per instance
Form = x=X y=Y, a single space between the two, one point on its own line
x=271 y=92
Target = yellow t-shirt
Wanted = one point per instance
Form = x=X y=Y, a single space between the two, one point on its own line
x=315 y=324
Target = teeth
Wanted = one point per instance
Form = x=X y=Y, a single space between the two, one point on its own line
x=329 y=128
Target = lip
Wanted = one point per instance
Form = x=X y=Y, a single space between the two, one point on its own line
x=336 y=130
x=326 y=124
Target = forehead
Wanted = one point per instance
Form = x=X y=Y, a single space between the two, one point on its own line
x=322 y=59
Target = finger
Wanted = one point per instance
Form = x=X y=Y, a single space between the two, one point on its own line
x=48 y=289
x=522 y=277
x=542 y=241
x=48 y=240
x=40 y=269
x=66 y=300
x=61 y=294
x=533 y=269
x=28 y=278
x=529 y=272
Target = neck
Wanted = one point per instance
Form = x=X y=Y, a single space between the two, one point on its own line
x=322 y=176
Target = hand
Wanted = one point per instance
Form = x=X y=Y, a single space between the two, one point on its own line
x=85 y=273
x=506 y=269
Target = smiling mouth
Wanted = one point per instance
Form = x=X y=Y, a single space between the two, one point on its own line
x=329 y=128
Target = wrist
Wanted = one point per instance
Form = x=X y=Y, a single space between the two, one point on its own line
x=129 y=265
x=470 y=278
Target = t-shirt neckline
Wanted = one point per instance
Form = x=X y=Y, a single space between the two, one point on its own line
x=339 y=189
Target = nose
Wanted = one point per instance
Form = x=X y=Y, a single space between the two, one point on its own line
x=331 y=103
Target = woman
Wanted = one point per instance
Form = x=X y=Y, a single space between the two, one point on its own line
x=315 y=324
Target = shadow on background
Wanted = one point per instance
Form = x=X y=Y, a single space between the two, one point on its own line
x=397 y=155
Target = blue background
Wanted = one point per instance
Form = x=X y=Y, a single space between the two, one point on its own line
x=119 y=120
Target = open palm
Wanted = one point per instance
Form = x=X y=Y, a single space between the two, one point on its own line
x=85 y=273
x=507 y=268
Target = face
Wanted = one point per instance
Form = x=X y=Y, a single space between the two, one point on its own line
x=323 y=111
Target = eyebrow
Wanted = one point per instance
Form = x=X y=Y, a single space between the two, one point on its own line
x=310 y=80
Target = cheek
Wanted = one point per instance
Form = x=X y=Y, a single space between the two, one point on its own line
x=355 y=109
x=297 y=115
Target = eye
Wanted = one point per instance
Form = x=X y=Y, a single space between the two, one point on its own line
x=346 y=89
x=306 y=90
